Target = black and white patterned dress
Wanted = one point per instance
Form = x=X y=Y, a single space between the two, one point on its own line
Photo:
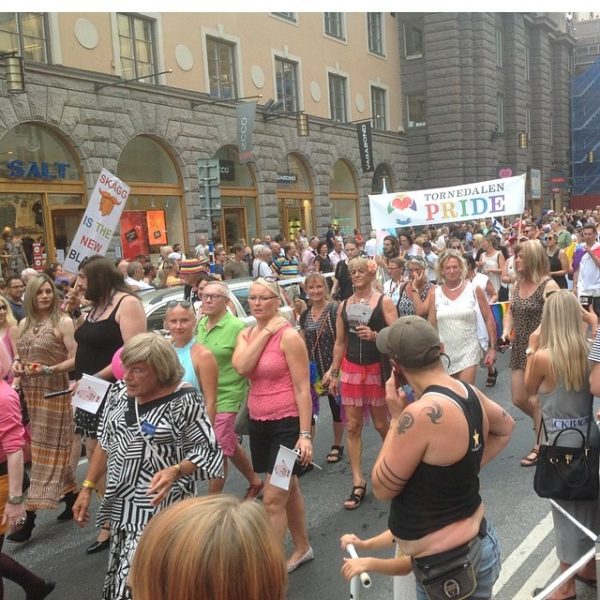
x=177 y=428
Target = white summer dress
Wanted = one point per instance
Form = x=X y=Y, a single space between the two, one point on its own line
x=457 y=327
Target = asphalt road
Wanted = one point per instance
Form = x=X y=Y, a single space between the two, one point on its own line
x=57 y=550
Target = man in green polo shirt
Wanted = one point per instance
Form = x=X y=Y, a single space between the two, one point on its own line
x=218 y=330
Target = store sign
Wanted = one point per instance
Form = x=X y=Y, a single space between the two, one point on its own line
x=287 y=178
x=246 y=113
x=227 y=170
x=100 y=220
x=365 y=146
x=19 y=169
x=535 y=183
x=38 y=256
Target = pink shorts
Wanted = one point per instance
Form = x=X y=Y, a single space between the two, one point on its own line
x=225 y=432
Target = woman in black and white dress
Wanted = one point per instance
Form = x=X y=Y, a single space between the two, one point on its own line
x=155 y=440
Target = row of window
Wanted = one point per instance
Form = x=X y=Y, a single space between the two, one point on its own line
x=27 y=34
x=335 y=26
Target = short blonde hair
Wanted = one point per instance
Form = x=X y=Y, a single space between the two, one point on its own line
x=358 y=262
x=445 y=256
x=233 y=554
x=10 y=317
x=313 y=277
x=156 y=352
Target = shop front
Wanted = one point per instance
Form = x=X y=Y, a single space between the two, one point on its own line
x=343 y=194
x=295 y=198
x=42 y=193
x=239 y=210
x=154 y=214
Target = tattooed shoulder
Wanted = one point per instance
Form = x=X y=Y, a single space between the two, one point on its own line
x=406 y=422
x=434 y=411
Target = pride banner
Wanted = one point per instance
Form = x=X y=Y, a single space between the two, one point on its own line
x=472 y=201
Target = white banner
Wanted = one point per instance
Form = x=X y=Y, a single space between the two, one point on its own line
x=469 y=202
x=99 y=221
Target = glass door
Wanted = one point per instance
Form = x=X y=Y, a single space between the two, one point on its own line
x=234 y=225
x=65 y=223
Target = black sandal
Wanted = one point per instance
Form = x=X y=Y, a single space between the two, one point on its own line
x=491 y=378
x=355 y=499
x=335 y=455
x=530 y=462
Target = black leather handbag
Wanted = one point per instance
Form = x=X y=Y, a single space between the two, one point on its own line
x=567 y=473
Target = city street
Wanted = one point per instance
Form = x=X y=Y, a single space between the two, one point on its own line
x=57 y=550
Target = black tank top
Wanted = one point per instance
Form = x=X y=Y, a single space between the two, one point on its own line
x=436 y=496
x=360 y=351
x=555 y=265
x=96 y=343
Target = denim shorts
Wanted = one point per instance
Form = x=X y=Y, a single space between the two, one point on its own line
x=489 y=568
x=267 y=436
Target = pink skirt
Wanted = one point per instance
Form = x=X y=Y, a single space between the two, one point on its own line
x=361 y=384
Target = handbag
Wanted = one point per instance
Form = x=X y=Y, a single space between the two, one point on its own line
x=565 y=472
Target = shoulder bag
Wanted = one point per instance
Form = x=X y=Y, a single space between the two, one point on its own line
x=564 y=472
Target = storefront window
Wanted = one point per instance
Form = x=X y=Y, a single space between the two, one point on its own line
x=153 y=216
x=30 y=152
x=239 y=215
x=344 y=199
x=295 y=198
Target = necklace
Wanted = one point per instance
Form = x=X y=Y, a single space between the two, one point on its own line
x=97 y=313
x=37 y=325
x=455 y=288
x=364 y=300
x=316 y=314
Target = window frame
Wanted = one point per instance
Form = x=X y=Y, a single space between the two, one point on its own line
x=341 y=36
x=415 y=124
x=288 y=17
x=499 y=47
x=411 y=55
x=379 y=122
x=281 y=60
x=132 y=18
x=343 y=80
x=18 y=18
x=500 y=113
x=232 y=47
x=370 y=39
x=527 y=63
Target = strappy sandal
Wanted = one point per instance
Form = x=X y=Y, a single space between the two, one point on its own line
x=335 y=455
x=531 y=462
x=491 y=378
x=355 y=499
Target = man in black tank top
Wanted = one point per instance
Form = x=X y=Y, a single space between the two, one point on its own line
x=429 y=466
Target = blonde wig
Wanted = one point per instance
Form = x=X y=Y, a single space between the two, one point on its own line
x=534 y=261
x=445 y=256
x=30 y=301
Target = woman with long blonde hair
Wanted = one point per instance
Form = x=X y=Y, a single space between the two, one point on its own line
x=46 y=353
x=9 y=332
x=525 y=314
x=557 y=371
x=234 y=553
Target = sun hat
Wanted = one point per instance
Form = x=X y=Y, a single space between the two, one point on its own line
x=412 y=341
x=192 y=265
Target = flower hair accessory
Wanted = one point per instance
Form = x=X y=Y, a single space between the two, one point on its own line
x=371 y=266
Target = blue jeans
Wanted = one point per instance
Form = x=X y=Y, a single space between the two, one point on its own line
x=489 y=568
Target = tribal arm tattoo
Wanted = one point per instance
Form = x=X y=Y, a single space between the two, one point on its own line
x=435 y=412
x=388 y=478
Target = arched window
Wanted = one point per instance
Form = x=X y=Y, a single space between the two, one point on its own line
x=154 y=214
x=295 y=198
x=344 y=198
x=382 y=175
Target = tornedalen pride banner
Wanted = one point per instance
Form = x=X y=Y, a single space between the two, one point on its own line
x=468 y=202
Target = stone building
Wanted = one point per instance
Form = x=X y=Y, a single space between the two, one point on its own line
x=487 y=95
x=135 y=94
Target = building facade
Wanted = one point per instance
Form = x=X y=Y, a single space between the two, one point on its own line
x=135 y=94
x=486 y=95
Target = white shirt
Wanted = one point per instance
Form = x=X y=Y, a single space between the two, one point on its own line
x=432 y=260
x=588 y=279
x=371 y=247
x=141 y=284
x=335 y=257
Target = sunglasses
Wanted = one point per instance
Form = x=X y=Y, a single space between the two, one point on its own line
x=176 y=303
x=210 y=297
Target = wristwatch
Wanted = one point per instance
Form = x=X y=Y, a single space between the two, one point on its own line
x=16 y=499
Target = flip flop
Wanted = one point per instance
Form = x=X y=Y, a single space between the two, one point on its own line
x=335 y=455
x=530 y=462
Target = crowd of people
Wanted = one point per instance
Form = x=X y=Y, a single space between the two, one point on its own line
x=398 y=335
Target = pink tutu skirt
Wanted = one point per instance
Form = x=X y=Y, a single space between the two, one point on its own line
x=361 y=384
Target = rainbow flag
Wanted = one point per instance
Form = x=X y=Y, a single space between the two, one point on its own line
x=499 y=309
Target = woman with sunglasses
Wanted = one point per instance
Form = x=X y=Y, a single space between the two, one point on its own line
x=115 y=316
x=416 y=293
x=559 y=263
x=356 y=370
x=273 y=357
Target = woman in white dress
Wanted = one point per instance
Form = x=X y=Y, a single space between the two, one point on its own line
x=454 y=313
x=492 y=260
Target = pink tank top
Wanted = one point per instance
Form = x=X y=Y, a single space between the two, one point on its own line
x=6 y=341
x=271 y=394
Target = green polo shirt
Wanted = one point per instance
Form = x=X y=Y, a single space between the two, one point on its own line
x=220 y=340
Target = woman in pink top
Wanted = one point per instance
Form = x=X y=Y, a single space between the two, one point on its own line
x=274 y=358
x=9 y=332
